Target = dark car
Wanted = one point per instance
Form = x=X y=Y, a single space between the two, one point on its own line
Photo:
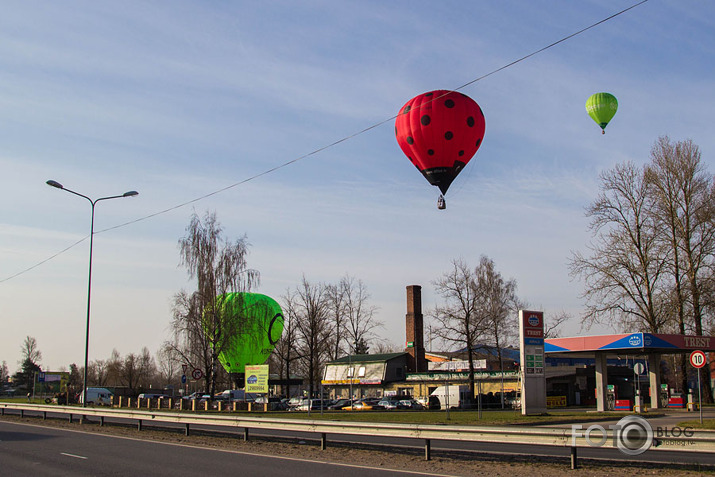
x=409 y=404
x=374 y=403
x=339 y=404
x=389 y=403
x=274 y=403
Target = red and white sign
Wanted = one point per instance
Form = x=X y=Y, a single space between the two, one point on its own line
x=698 y=359
x=197 y=374
x=533 y=324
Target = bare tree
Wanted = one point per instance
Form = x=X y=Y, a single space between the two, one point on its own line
x=4 y=373
x=137 y=370
x=286 y=353
x=75 y=381
x=686 y=211
x=30 y=363
x=308 y=308
x=114 y=368
x=624 y=273
x=651 y=267
x=384 y=347
x=360 y=322
x=30 y=351
x=335 y=296
x=167 y=364
x=353 y=317
x=203 y=326
x=460 y=318
x=552 y=326
x=147 y=367
x=499 y=305
x=97 y=372
x=131 y=371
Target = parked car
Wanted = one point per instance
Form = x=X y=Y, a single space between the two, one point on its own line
x=373 y=402
x=409 y=404
x=153 y=396
x=199 y=397
x=274 y=403
x=339 y=404
x=367 y=404
x=295 y=401
x=238 y=395
x=388 y=404
x=303 y=406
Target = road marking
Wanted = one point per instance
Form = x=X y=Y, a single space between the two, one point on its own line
x=73 y=455
x=230 y=451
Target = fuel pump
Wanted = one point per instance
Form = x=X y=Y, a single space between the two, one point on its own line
x=664 y=395
x=610 y=397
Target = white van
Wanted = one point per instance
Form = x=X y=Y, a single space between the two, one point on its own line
x=453 y=397
x=102 y=396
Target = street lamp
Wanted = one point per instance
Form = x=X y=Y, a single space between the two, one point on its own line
x=131 y=193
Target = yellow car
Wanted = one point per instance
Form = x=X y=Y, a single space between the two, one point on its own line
x=363 y=405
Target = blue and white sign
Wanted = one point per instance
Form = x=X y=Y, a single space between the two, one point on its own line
x=635 y=340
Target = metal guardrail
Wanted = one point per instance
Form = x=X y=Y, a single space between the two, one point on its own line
x=695 y=441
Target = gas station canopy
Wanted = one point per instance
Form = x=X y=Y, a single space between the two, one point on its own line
x=651 y=345
x=631 y=343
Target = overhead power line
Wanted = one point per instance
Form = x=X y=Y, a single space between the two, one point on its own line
x=328 y=146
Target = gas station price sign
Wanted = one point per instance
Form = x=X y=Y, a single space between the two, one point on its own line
x=531 y=341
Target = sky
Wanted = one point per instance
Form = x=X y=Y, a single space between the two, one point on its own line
x=279 y=117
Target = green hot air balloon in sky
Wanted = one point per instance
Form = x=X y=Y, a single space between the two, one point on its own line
x=602 y=107
x=258 y=321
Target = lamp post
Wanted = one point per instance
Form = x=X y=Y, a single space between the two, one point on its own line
x=131 y=193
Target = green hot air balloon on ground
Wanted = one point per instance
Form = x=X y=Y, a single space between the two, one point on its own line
x=257 y=325
x=602 y=107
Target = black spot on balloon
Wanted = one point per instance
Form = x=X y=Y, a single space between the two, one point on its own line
x=461 y=153
x=430 y=152
x=448 y=135
x=470 y=121
x=428 y=94
x=425 y=120
x=410 y=140
x=479 y=141
x=449 y=103
x=407 y=109
x=481 y=112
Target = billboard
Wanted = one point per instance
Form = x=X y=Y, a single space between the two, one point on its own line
x=48 y=382
x=257 y=379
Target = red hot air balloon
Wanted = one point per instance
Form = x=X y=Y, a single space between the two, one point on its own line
x=439 y=132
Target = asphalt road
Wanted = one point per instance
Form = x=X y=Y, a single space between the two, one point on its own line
x=43 y=451
x=604 y=454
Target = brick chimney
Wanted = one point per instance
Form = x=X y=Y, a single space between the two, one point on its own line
x=414 y=333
